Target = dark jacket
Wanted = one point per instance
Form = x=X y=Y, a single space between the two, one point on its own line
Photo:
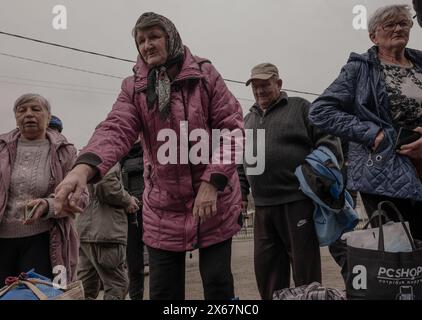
x=105 y=220
x=417 y=5
x=133 y=170
x=289 y=138
x=355 y=107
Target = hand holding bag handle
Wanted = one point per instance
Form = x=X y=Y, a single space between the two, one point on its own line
x=380 y=212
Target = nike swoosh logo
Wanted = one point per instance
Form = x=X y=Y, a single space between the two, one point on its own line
x=301 y=223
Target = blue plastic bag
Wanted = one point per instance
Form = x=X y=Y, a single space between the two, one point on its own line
x=20 y=291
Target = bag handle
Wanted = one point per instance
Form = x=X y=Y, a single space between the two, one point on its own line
x=381 y=246
x=22 y=279
x=6 y=289
x=40 y=295
x=379 y=214
x=375 y=215
x=31 y=286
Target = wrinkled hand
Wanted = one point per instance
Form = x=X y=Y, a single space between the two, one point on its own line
x=205 y=205
x=378 y=140
x=42 y=209
x=69 y=191
x=413 y=150
x=133 y=206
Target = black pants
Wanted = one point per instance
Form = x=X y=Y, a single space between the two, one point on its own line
x=285 y=234
x=135 y=259
x=167 y=273
x=23 y=254
x=409 y=209
x=338 y=249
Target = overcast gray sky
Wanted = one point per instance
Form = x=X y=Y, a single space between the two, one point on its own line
x=309 y=40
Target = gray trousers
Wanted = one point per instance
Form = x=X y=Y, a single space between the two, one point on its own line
x=103 y=263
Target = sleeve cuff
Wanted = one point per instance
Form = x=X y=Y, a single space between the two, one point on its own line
x=126 y=199
x=219 y=181
x=92 y=160
x=50 y=212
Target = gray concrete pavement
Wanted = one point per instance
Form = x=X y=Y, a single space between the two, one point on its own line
x=243 y=273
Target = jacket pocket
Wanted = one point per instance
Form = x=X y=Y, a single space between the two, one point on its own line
x=110 y=255
x=382 y=154
x=164 y=201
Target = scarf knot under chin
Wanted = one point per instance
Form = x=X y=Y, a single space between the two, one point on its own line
x=159 y=87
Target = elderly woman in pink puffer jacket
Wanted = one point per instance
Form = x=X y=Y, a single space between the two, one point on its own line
x=188 y=204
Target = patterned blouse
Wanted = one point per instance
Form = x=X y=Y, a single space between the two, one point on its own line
x=404 y=90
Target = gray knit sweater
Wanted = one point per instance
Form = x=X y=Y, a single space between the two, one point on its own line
x=289 y=138
x=29 y=180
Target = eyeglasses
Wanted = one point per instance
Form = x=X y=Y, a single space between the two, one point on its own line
x=390 y=26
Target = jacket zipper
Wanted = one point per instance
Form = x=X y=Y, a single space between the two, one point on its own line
x=195 y=245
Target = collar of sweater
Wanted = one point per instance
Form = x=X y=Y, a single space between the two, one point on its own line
x=281 y=101
x=54 y=137
x=33 y=143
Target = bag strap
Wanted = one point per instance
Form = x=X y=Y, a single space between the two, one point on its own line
x=40 y=295
x=6 y=289
x=31 y=286
x=381 y=246
x=375 y=215
x=203 y=80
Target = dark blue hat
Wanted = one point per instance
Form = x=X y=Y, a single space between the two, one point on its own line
x=55 y=124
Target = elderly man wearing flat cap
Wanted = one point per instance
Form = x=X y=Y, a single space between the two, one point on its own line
x=284 y=231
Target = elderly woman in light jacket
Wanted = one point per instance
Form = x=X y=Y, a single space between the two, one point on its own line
x=33 y=161
x=375 y=94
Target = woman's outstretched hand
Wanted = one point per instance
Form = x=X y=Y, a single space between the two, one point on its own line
x=69 y=191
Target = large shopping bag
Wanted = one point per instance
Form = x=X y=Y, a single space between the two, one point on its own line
x=33 y=286
x=395 y=237
x=378 y=274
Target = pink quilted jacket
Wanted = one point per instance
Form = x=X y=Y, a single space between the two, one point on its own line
x=64 y=241
x=200 y=96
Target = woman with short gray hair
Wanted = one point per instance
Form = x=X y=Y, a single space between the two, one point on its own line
x=377 y=95
x=33 y=161
x=32 y=98
x=384 y=14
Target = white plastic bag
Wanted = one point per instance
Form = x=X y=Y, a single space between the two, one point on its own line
x=395 y=238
